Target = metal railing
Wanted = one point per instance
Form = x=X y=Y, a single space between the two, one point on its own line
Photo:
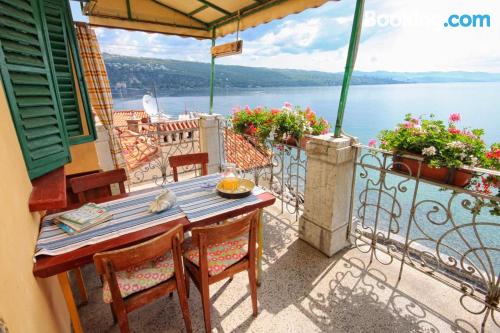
x=146 y=148
x=278 y=167
x=450 y=233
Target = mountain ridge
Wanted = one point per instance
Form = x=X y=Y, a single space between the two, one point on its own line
x=171 y=76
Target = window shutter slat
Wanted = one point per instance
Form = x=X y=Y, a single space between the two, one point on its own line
x=22 y=5
x=29 y=86
x=61 y=57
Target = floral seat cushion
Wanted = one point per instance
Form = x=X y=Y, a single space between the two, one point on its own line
x=142 y=277
x=220 y=256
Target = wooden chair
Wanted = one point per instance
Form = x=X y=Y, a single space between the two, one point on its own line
x=161 y=257
x=87 y=187
x=188 y=159
x=72 y=198
x=97 y=185
x=236 y=240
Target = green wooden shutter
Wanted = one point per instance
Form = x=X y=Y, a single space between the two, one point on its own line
x=29 y=85
x=61 y=57
x=60 y=37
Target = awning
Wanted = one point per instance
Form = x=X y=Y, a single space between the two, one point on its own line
x=191 y=18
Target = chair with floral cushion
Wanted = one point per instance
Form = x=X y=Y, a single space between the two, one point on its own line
x=139 y=274
x=217 y=252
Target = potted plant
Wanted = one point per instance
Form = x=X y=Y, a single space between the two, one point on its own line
x=444 y=147
x=256 y=123
x=293 y=125
x=290 y=125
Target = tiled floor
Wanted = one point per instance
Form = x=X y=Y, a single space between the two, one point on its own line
x=304 y=291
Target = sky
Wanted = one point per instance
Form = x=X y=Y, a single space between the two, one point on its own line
x=397 y=35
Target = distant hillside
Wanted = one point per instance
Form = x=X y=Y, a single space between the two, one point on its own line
x=138 y=74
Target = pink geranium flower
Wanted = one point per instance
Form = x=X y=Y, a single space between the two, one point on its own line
x=454 y=130
x=454 y=117
x=288 y=105
x=372 y=143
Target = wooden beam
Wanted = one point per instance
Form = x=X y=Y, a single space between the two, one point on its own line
x=217 y=8
x=180 y=12
x=129 y=9
x=227 y=49
x=197 y=10
x=250 y=9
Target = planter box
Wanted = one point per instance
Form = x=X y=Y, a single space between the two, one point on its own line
x=450 y=176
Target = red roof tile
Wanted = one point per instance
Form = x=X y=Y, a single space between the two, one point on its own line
x=120 y=117
x=245 y=154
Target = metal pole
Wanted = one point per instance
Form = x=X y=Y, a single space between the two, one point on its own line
x=351 y=60
x=212 y=75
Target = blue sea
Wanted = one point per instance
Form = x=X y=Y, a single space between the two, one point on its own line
x=370 y=109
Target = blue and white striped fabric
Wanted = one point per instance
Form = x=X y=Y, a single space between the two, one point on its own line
x=129 y=215
x=196 y=200
x=199 y=200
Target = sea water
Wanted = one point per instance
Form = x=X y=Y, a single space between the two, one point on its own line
x=370 y=108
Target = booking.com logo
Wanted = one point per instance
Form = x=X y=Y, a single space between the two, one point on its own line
x=467 y=21
x=421 y=19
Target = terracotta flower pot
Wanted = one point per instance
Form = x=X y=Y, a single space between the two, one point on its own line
x=292 y=141
x=450 y=176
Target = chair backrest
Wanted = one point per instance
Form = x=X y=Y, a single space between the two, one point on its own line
x=203 y=237
x=97 y=185
x=135 y=255
x=71 y=197
x=188 y=159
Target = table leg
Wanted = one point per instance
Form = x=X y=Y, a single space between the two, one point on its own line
x=81 y=285
x=70 y=301
x=260 y=241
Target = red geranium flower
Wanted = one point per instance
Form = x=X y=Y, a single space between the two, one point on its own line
x=493 y=154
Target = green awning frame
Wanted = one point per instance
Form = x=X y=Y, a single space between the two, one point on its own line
x=351 y=61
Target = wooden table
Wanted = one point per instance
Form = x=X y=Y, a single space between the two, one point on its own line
x=60 y=265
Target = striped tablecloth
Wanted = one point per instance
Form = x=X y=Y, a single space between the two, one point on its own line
x=129 y=214
x=196 y=199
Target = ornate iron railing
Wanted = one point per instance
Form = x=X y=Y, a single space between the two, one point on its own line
x=448 y=232
x=278 y=167
x=146 y=148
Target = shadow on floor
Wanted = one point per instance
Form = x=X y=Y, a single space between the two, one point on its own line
x=302 y=291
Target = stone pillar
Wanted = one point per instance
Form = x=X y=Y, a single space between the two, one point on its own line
x=103 y=148
x=212 y=140
x=329 y=177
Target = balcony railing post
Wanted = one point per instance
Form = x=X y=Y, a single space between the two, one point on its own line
x=210 y=140
x=329 y=177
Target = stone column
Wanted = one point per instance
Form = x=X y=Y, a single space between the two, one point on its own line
x=103 y=148
x=212 y=140
x=329 y=177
